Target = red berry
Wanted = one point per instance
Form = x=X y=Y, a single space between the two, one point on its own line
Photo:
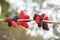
x=13 y=23
x=45 y=26
x=9 y=19
x=42 y=16
x=26 y=17
x=37 y=20
x=21 y=15
x=24 y=24
x=22 y=11
x=46 y=18
x=19 y=23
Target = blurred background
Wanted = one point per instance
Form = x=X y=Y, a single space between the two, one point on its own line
x=13 y=7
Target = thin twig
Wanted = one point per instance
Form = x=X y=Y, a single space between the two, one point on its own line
x=51 y=22
x=28 y=20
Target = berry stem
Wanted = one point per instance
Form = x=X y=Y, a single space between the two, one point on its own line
x=28 y=20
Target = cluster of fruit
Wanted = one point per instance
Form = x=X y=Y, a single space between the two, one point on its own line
x=38 y=18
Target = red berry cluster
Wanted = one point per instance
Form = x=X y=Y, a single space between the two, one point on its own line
x=39 y=20
x=10 y=22
x=13 y=21
x=23 y=16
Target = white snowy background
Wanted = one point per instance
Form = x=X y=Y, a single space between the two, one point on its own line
x=50 y=7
